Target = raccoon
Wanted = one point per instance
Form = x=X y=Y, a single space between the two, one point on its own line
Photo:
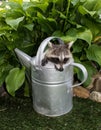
x=58 y=54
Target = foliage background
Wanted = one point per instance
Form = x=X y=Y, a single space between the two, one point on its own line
x=24 y=25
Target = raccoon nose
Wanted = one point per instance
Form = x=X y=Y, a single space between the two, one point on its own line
x=61 y=69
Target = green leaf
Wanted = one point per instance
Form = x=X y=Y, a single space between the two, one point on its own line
x=78 y=47
x=94 y=53
x=48 y=25
x=14 y=23
x=92 y=25
x=61 y=15
x=17 y=1
x=29 y=26
x=36 y=5
x=74 y=2
x=70 y=36
x=84 y=34
x=80 y=33
x=57 y=33
x=15 y=79
x=92 y=4
x=84 y=11
x=91 y=71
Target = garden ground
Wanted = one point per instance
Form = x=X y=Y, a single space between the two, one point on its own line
x=18 y=114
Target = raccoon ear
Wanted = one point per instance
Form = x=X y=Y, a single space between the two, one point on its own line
x=69 y=45
x=50 y=45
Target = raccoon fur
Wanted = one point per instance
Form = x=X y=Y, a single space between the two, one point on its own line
x=58 y=54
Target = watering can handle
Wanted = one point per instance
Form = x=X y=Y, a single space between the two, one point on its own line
x=40 y=52
x=84 y=71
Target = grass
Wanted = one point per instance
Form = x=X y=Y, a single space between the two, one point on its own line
x=18 y=114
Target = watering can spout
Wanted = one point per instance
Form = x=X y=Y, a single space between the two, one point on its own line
x=25 y=60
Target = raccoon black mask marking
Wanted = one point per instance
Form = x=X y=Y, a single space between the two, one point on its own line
x=58 y=54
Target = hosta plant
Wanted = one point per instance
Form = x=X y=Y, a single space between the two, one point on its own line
x=24 y=25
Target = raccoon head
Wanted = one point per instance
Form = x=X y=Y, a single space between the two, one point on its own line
x=58 y=54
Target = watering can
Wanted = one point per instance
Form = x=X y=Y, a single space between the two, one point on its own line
x=52 y=90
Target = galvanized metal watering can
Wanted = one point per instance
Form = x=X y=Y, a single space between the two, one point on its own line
x=51 y=89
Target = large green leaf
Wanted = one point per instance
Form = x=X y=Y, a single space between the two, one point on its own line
x=92 y=4
x=14 y=23
x=29 y=26
x=15 y=79
x=48 y=25
x=78 y=47
x=91 y=71
x=92 y=7
x=84 y=34
x=13 y=4
x=92 y=25
x=80 y=33
x=36 y=5
x=94 y=53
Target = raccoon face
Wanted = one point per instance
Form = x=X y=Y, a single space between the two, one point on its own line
x=58 y=55
x=59 y=60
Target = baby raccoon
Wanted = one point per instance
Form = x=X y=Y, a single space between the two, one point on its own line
x=58 y=54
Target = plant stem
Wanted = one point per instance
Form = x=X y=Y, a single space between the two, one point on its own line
x=68 y=6
x=67 y=12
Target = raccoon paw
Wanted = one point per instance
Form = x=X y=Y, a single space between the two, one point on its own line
x=44 y=62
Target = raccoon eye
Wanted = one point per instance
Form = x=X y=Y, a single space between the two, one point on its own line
x=54 y=60
x=65 y=60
